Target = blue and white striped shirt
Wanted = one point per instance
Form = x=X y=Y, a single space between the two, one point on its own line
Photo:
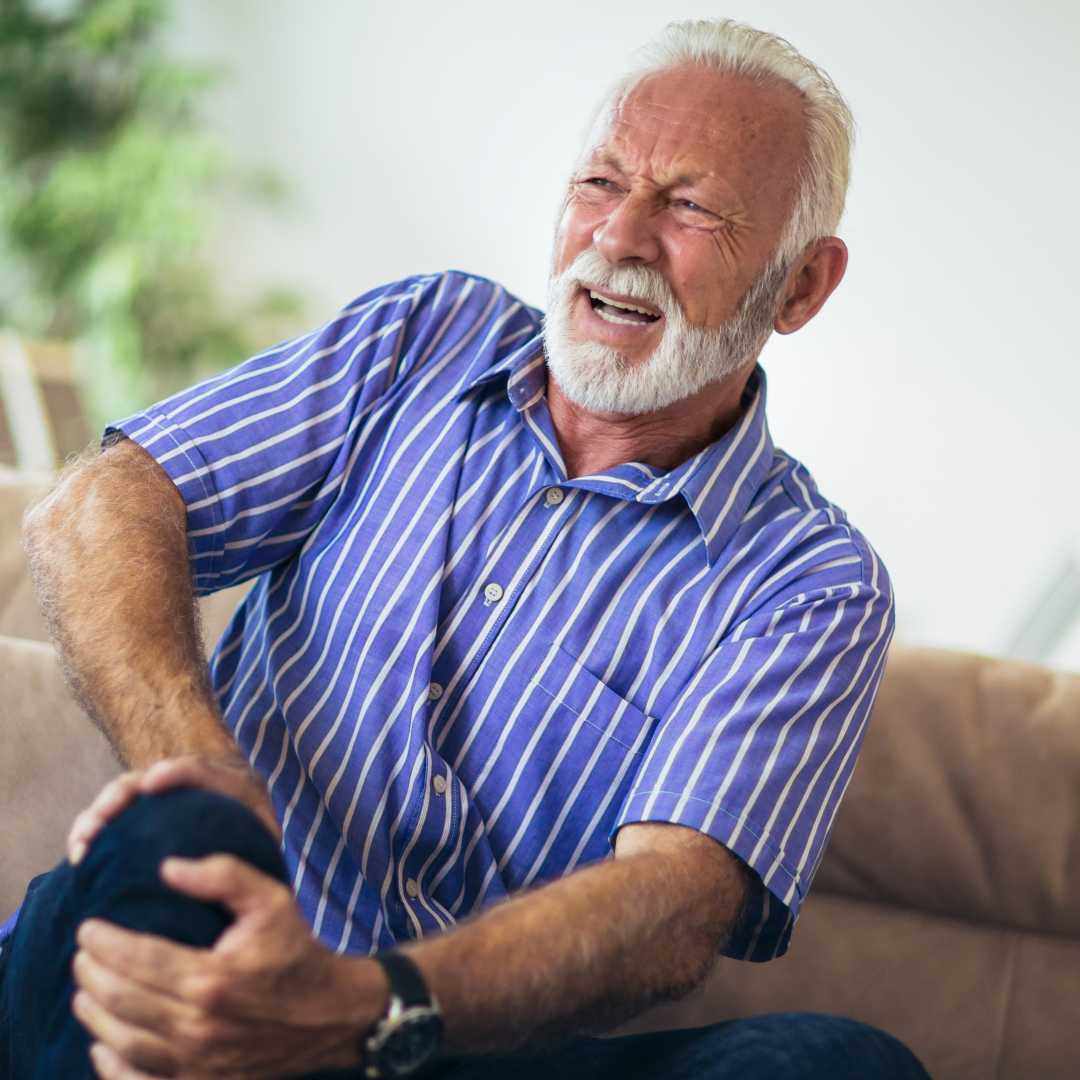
x=459 y=672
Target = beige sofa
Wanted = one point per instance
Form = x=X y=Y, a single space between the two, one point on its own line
x=946 y=911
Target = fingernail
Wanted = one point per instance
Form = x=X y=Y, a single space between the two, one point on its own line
x=77 y=852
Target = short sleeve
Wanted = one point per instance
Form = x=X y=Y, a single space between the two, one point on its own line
x=256 y=452
x=758 y=748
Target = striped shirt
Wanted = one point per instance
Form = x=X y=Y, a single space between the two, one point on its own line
x=459 y=672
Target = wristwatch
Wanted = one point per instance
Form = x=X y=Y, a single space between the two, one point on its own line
x=408 y=1035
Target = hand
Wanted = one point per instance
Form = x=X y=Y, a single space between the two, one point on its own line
x=267 y=1000
x=228 y=776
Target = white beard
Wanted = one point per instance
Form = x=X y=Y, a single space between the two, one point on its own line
x=686 y=359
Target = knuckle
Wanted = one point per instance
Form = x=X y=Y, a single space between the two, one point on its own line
x=126 y=1043
x=120 y=787
x=197 y=1032
x=208 y=992
x=223 y=868
x=115 y=998
x=108 y=997
x=282 y=901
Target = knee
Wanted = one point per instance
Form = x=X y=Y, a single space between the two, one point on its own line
x=120 y=877
x=187 y=822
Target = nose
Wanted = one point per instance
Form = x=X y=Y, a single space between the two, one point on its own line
x=627 y=233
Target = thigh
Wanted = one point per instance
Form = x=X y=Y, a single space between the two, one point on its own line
x=780 y=1046
x=793 y=1046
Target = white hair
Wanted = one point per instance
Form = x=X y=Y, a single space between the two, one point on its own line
x=725 y=45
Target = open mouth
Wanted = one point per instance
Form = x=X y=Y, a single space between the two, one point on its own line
x=625 y=312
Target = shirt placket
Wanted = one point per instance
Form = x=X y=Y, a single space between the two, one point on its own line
x=488 y=602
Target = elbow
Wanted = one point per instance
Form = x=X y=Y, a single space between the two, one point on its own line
x=49 y=521
x=37 y=521
x=695 y=963
x=42 y=516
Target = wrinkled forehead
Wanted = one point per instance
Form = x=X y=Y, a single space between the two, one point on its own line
x=751 y=132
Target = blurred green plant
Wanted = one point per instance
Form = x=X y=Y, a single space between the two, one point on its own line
x=107 y=190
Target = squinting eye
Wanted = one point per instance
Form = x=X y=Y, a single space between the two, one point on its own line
x=598 y=180
x=692 y=205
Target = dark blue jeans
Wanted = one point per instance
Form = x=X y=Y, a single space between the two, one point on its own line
x=118 y=880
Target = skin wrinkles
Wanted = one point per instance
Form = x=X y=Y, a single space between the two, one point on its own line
x=731 y=144
x=742 y=139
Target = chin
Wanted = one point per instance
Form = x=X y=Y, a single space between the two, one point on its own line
x=600 y=379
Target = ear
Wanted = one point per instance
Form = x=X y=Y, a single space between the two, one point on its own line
x=821 y=270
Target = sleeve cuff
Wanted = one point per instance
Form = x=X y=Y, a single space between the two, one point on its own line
x=764 y=933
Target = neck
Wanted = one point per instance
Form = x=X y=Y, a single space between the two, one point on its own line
x=594 y=442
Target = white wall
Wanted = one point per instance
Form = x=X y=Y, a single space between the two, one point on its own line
x=936 y=396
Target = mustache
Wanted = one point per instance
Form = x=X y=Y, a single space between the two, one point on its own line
x=640 y=282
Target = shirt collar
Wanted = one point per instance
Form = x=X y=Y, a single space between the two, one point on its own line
x=718 y=483
x=513 y=363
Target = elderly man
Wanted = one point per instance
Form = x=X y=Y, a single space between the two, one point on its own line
x=524 y=599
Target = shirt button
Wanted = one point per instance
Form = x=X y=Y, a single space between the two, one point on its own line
x=553 y=496
x=434 y=691
x=493 y=592
x=412 y=888
x=439 y=784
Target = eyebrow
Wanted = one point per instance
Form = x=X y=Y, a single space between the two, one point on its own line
x=610 y=157
x=603 y=158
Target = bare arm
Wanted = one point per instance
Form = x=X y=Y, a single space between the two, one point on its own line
x=591 y=950
x=108 y=555
x=576 y=956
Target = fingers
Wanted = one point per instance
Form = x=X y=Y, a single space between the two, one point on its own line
x=228 y=880
x=189 y=770
x=109 y=1066
x=113 y=798
x=136 y=1047
x=153 y=961
x=233 y=778
x=227 y=776
x=133 y=1002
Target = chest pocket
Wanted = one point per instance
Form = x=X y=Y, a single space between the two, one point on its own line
x=567 y=760
x=587 y=744
x=594 y=703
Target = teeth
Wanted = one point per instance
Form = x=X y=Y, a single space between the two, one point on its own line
x=620 y=304
x=608 y=316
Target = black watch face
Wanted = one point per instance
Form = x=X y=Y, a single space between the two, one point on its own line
x=413 y=1042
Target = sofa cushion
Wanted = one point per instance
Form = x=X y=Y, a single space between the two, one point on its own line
x=966 y=797
x=971 y=1001
x=53 y=762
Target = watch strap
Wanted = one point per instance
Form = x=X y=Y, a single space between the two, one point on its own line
x=404 y=977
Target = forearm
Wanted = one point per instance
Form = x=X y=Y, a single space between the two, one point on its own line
x=108 y=553
x=584 y=953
